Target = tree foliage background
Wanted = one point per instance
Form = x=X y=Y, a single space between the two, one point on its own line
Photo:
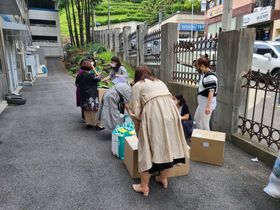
x=167 y=7
x=80 y=18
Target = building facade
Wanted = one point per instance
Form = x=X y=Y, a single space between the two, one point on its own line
x=187 y=24
x=20 y=61
x=14 y=37
x=263 y=15
x=45 y=26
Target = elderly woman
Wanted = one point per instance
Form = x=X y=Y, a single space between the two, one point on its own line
x=87 y=83
x=111 y=110
x=158 y=125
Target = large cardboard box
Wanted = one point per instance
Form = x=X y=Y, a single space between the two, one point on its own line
x=131 y=156
x=101 y=92
x=131 y=160
x=208 y=146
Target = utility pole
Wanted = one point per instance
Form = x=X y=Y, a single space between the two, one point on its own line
x=108 y=14
x=192 y=23
x=227 y=15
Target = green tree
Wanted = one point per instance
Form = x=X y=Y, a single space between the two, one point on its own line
x=153 y=7
x=80 y=18
x=196 y=4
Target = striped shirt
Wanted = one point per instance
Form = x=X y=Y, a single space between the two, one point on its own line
x=208 y=81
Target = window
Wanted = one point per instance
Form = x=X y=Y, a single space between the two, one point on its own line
x=263 y=49
x=44 y=38
x=44 y=4
x=50 y=23
x=265 y=3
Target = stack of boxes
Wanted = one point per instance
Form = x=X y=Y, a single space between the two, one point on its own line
x=206 y=146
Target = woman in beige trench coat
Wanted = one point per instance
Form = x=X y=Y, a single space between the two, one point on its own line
x=158 y=125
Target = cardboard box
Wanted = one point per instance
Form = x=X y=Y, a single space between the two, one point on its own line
x=101 y=92
x=131 y=160
x=131 y=156
x=208 y=146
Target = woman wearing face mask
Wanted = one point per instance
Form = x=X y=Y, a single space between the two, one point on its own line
x=118 y=74
x=206 y=94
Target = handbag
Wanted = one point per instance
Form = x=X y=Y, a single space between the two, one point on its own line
x=121 y=102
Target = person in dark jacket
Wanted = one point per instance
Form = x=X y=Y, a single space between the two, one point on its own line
x=87 y=83
x=185 y=115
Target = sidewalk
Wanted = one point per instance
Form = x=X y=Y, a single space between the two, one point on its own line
x=49 y=160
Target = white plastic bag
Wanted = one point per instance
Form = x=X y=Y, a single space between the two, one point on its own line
x=273 y=187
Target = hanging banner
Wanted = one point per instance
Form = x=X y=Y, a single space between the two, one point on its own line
x=203 y=5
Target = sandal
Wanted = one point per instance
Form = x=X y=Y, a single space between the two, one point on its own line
x=139 y=189
x=163 y=182
x=99 y=128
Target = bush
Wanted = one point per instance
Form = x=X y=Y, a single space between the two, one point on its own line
x=73 y=70
x=98 y=48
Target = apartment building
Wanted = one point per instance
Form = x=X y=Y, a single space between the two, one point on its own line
x=45 y=26
x=263 y=15
x=20 y=61
x=14 y=38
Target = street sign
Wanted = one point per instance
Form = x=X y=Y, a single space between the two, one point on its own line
x=261 y=15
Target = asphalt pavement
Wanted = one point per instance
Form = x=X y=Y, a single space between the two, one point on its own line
x=49 y=160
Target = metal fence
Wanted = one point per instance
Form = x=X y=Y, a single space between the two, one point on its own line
x=262 y=113
x=121 y=42
x=187 y=52
x=152 y=48
x=132 y=41
x=114 y=42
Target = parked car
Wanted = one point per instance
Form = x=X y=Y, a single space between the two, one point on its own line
x=277 y=39
x=266 y=57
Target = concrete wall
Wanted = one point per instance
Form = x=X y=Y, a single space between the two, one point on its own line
x=132 y=24
x=155 y=70
x=241 y=3
x=277 y=5
x=189 y=93
x=132 y=60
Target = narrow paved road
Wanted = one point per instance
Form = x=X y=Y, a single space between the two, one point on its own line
x=49 y=160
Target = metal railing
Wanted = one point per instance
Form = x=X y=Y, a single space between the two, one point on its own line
x=121 y=42
x=132 y=41
x=187 y=52
x=152 y=48
x=114 y=44
x=260 y=120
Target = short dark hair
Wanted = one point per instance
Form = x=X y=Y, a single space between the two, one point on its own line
x=117 y=60
x=86 y=65
x=181 y=99
x=203 y=61
x=143 y=72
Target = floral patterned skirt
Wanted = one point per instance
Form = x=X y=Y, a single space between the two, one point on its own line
x=90 y=104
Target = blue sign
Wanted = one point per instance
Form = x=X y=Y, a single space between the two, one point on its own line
x=189 y=27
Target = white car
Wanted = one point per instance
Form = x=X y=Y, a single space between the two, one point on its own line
x=266 y=57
